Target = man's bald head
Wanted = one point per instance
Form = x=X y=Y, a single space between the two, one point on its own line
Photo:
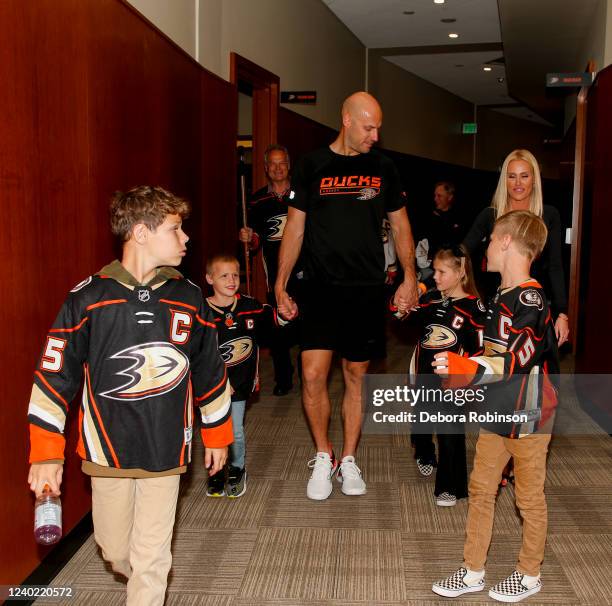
x=361 y=119
x=361 y=103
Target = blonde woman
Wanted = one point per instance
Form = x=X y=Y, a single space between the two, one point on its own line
x=520 y=188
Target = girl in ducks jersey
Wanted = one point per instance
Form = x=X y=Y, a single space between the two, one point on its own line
x=452 y=318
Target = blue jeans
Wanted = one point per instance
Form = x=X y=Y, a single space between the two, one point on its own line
x=237 y=449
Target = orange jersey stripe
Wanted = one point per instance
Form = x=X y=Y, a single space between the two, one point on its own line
x=178 y=303
x=531 y=282
x=220 y=436
x=104 y=303
x=204 y=322
x=73 y=329
x=253 y=311
x=219 y=384
x=93 y=403
x=80 y=444
x=45 y=445
x=48 y=386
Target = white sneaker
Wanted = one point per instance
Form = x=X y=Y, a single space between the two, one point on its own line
x=323 y=469
x=350 y=476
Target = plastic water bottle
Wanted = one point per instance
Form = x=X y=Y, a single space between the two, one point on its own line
x=47 y=518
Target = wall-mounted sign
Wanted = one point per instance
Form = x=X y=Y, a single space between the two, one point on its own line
x=299 y=96
x=469 y=128
x=577 y=79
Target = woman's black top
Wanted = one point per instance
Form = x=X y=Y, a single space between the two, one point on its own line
x=547 y=269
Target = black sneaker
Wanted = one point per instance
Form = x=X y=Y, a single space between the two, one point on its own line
x=216 y=485
x=236 y=482
x=281 y=390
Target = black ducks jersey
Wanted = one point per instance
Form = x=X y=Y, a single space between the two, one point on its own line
x=143 y=356
x=520 y=361
x=240 y=327
x=447 y=325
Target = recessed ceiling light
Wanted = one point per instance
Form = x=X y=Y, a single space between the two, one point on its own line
x=486 y=68
x=439 y=1
x=453 y=35
x=448 y=20
x=408 y=12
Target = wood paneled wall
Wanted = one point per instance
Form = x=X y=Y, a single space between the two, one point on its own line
x=594 y=319
x=95 y=100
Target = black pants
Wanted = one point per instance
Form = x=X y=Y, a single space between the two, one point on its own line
x=451 y=473
x=281 y=341
x=280 y=348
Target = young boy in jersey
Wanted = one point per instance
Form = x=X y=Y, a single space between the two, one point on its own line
x=452 y=319
x=139 y=336
x=241 y=321
x=520 y=350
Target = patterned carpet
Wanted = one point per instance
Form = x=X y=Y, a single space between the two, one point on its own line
x=275 y=547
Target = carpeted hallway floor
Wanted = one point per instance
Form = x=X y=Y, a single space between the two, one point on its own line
x=275 y=547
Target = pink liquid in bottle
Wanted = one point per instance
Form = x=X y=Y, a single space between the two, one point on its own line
x=47 y=518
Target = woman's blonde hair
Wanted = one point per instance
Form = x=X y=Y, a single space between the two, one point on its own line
x=500 y=197
x=459 y=259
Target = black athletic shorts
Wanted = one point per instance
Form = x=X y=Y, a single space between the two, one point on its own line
x=347 y=319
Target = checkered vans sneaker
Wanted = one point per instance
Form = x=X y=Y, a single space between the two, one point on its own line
x=515 y=588
x=426 y=469
x=446 y=499
x=455 y=585
x=323 y=469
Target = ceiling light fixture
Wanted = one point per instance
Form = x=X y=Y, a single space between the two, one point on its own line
x=439 y=1
x=453 y=35
x=487 y=68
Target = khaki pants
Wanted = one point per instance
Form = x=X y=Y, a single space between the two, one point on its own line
x=492 y=454
x=133 y=521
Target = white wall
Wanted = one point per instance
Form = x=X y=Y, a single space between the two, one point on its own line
x=209 y=31
x=176 y=19
x=597 y=46
x=419 y=117
x=608 y=41
x=301 y=41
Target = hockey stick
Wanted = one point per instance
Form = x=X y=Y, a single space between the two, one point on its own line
x=247 y=260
